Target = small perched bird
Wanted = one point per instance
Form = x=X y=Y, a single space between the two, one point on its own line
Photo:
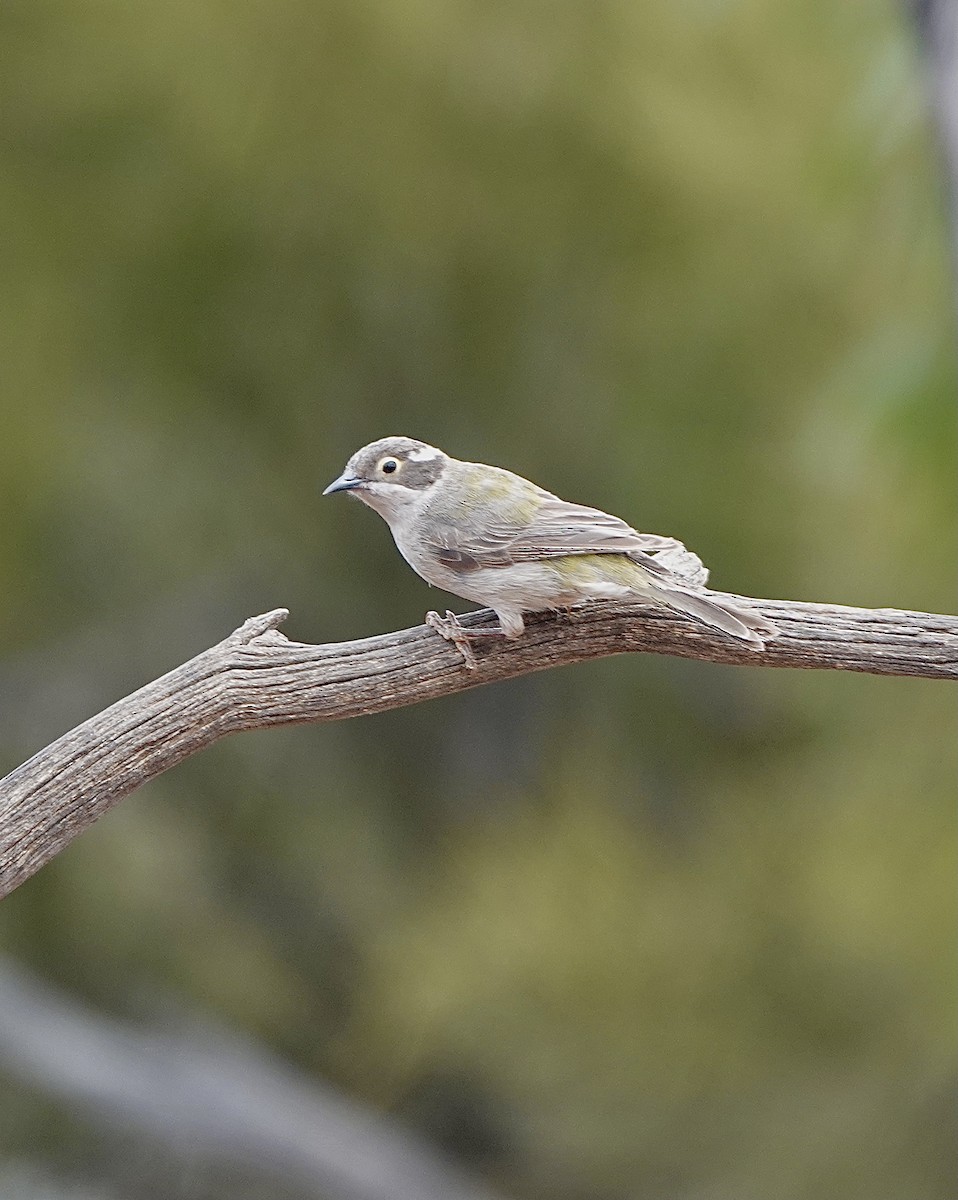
x=491 y=536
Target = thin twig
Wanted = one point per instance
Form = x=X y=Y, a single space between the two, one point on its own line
x=257 y=678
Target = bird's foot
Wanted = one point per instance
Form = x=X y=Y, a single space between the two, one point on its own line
x=449 y=628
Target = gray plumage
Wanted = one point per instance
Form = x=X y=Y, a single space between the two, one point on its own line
x=496 y=538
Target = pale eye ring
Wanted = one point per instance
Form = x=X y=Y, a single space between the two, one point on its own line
x=389 y=466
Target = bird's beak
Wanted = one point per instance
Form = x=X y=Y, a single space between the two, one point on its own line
x=345 y=483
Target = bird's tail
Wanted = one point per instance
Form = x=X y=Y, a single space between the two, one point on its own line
x=720 y=614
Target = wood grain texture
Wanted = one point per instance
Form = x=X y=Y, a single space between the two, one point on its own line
x=257 y=678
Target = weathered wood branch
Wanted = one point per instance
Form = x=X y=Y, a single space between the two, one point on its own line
x=257 y=678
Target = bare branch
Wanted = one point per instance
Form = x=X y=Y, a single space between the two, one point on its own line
x=257 y=678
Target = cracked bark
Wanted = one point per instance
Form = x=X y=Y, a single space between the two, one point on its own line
x=256 y=678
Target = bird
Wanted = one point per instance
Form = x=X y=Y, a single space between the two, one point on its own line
x=491 y=536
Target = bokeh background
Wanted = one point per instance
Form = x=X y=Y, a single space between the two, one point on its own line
x=639 y=928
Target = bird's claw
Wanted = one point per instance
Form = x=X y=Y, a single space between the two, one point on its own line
x=449 y=628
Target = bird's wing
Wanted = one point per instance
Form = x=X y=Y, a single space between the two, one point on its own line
x=549 y=527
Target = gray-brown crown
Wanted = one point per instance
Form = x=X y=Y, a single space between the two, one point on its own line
x=417 y=464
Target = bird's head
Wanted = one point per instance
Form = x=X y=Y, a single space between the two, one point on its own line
x=392 y=474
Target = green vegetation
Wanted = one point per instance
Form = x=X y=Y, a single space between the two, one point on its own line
x=641 y=928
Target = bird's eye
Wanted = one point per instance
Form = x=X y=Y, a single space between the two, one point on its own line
x=389 y=465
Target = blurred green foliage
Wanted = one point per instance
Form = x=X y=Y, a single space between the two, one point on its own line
x=638 y=928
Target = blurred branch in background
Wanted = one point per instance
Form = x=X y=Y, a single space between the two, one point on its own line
x=938 y=24
x=209 y=1095
x=257 y=678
